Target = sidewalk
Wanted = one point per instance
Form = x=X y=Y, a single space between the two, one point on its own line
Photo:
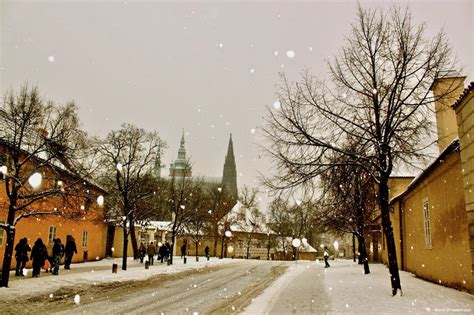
x=309 y=288
x=96 y=272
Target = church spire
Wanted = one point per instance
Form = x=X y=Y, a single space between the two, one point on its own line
x=229 y=176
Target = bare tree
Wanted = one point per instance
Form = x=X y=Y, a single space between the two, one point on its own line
x=349 y=203
x=40 y=146
x=198 y=216
x=279 y=218
x=379 y=96
x=127 y=157
x=250 y=220
x=221 y=203
x=180 y=190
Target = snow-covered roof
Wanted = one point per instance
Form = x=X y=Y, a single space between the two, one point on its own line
x=160 y=225
x=304 y=248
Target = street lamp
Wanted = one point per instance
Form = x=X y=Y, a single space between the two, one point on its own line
x=3 y=171
x=100 y=200
x=296 y=244
x=227 y=235
x=35 y=180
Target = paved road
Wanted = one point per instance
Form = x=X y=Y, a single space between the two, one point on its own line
x=215 y=290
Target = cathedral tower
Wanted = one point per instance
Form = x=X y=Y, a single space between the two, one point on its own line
x=229 y=177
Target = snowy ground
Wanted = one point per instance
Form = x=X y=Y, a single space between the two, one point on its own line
x=96 y=272
x=309 y=288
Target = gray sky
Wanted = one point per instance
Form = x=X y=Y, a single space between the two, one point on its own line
x=207 y=67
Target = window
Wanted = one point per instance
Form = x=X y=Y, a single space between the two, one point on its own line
x=427 y=223
x=1 y=234
x=85 y=236
x=51 y=234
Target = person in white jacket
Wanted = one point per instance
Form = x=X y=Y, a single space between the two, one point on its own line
x=326 y=257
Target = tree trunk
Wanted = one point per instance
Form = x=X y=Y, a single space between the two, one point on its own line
x=170 y=259
x=354 y=246
x=197 y=250
x=388 y=230
x=222 y=246
x=133 y=238
x=125 y=248
x=7 y=258
x=248 y=247
x=216 y=236
x=363 y=253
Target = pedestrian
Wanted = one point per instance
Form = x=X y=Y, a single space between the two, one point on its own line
x=162 y=252
x=151 y=251
x=58 y=253
x=21 y=249
x=326 y=257
x=183 y=250
x=39 y=254
x=167 y=251
x=206 y=250
x=69 y=251
x=142 y=252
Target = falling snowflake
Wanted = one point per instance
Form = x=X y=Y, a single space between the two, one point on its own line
x=119 y=167
x=77 y=299
x=51 y=59
x=252 y=70
x=220 y=45
x=275 y=53
x=51 y=296
x=219 y=189
x=276 y=104
x=344 y=95
x=290 y=54
x=374 y=91
x=233 y=308
x=252 y=130
x=310 y=49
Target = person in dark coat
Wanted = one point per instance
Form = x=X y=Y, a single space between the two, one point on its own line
x=21 y=249
x=167 y=251
x=207 y=250
x=183 y=250
x=39 y=253
x=69 y=250
x=142 y=252
x=58 y=253
x=162 y=252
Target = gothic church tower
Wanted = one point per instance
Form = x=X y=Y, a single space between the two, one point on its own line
x=229 y=177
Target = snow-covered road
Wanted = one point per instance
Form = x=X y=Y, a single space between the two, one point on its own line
x=222 y=290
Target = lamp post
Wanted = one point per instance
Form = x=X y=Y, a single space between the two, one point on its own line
x=296 y=244
x=227 y=235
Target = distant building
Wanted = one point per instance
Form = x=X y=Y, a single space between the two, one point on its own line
x=180 y=167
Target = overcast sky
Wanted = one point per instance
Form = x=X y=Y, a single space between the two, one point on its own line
x=207 y=67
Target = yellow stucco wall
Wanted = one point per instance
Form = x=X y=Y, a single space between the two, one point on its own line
x=465 y=119
x=445 y=116
x=448 y=260
x=118 y=242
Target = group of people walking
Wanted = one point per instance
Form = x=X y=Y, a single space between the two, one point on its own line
x=151 y=250
x=41 y=258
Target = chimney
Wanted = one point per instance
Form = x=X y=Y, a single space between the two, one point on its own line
x=446 y=90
